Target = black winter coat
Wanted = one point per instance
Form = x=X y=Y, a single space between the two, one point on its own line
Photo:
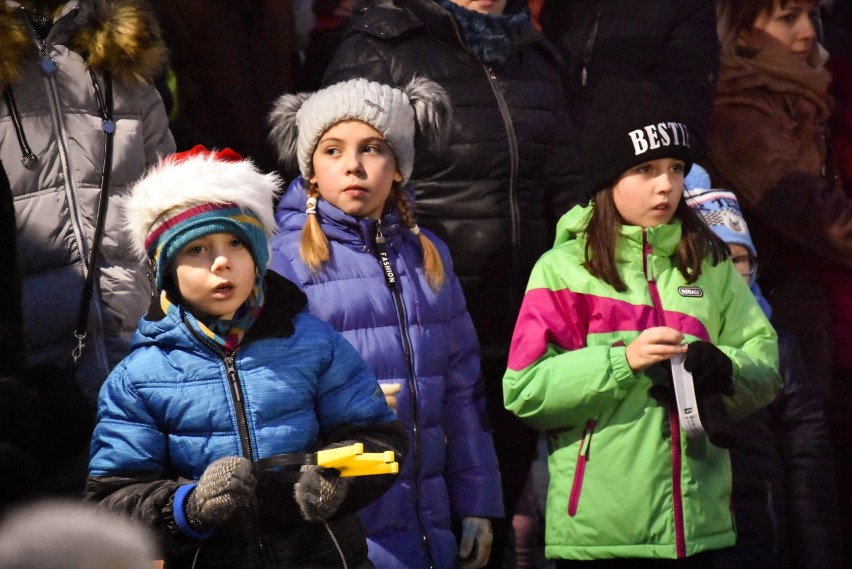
x=671 y=43
x=784 y=491
x=495 y=194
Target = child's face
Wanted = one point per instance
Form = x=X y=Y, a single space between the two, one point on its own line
x=648 y=194
x=215 y=274
x=783 y=30
x=493 y=7
x=354 y=169
x=744 y=263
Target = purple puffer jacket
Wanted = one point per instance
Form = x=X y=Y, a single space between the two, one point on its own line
x=424 y=341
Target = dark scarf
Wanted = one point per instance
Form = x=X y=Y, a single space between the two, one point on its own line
x=490 y=37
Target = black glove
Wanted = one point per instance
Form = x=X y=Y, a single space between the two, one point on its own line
x=226 y=486
x=715 y=420
x=320 y=492
x=662 y=388
x=712 y=371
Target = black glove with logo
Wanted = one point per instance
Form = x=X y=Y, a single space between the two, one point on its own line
x=712 y=371
x=226 y=486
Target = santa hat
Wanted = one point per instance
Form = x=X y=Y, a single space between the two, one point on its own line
x=191 y=194
x=421 y=107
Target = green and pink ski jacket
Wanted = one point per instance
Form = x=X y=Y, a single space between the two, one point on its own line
x=625 y=481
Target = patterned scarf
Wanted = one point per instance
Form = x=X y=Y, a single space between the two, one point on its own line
x=226 y=334
x=490 y=37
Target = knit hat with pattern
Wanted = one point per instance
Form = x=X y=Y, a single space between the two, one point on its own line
x=721 y=212
x=421 y=108
x=191 y=194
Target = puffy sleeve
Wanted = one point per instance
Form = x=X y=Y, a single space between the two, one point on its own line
x=471 y=471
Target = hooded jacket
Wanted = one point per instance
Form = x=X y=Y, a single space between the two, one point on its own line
x=177 y=403
x=625 y=479
x=422 y=340
x=52 y=121
x=768 y=145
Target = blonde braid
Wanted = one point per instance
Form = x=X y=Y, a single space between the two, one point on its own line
x=313 y=247
x=432 y=264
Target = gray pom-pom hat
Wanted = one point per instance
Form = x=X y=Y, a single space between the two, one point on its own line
x=421 y=107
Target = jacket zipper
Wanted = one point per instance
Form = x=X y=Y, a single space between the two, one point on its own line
x=674 y=420
x=48 y=66
x=587 y=51
x=229 y=362
x=391 y=282
x=583 y=457
x=512 y=140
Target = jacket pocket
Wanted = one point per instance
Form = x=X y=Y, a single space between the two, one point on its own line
x=580 y=471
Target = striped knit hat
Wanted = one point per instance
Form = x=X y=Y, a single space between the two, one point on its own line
x=191 y=194
x=720 y=210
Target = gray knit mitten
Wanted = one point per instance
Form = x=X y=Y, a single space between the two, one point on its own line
x=226 y=486
x=319 y=492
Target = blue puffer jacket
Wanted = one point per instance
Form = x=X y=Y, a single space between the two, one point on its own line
x=177 y=403
x=422 y=340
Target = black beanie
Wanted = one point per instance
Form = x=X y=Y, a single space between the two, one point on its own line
x=630 y=123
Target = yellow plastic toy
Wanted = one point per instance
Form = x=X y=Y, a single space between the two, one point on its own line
x=353 y=461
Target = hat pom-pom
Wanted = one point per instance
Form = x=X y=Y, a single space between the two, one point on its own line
x=433 y=112
x=284 y=134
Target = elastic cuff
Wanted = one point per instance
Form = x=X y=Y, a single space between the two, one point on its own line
x=180 y=515
x=618 y=363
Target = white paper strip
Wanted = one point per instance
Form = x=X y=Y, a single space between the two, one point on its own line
x=687 y=405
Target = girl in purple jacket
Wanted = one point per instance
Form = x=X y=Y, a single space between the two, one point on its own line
x=348 y=237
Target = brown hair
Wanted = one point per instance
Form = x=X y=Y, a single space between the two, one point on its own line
x=602 y=234
x=736 y=16
x=314 y=250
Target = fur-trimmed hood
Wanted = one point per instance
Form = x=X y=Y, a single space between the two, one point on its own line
x=120 y=36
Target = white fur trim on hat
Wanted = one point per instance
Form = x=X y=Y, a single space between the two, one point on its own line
x=299 y=121
x=176 y=184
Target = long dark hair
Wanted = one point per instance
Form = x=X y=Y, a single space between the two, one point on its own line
x=602 y=233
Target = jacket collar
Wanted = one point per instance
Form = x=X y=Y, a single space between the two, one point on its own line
x=135 y=55
x=284 y=300
x=443 y=27
x=663 y=238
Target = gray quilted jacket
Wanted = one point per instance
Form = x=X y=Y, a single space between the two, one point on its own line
x=51 y=112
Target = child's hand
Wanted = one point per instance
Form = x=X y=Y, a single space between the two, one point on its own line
x=390 y=390
x=654 y=345
x=712 y=371
x=226 y=486
x=320 y=492
x=475 y=545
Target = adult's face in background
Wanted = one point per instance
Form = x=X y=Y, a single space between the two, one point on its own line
x=493 y=7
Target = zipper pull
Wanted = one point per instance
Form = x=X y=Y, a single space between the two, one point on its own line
x=647 y=254
x=384 y=259
x=231 y=370
x=588 y=430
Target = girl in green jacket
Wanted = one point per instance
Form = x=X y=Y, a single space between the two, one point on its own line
x=635 y=287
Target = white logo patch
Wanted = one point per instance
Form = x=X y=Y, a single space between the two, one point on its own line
x=691 y=291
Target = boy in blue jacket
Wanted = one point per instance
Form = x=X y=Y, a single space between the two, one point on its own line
x=227 y=372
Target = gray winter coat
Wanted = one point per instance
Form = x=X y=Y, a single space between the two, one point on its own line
x=57 y=116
